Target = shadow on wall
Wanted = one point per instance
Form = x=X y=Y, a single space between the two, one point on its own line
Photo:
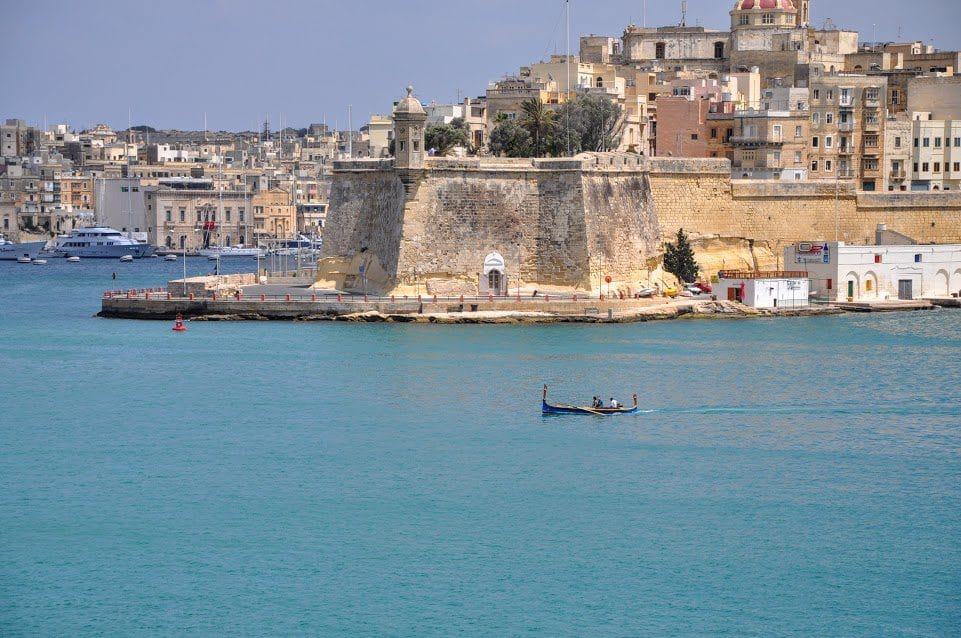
x=360 y=273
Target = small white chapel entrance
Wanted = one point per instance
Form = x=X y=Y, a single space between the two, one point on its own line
x=493 y=279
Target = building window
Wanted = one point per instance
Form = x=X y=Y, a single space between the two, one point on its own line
x=814 y=166
x=402 y=145
x=713 y=133
x=827 y=166
x=815 y=142
x=926 y=142
x=877 y=259
x=956 y=167
x=742 y=20
x=924 y=167
x=183 y=215
x=797 y=157
x=767 y=18
x=937 y=167
x=718 y=50
x=659 y=50
x=170 y=215
x=937 y=142
x=829 y=118
x=915 y=167
x=957 y=141
x=897 y=142
x=915 y=142
x=816 y=118
x=917 y=258
x=869 y=285
x=198 y=217
x=694 y=136
x=828 y=141
x=817 y=94
x=227 y=215
x=797 y=131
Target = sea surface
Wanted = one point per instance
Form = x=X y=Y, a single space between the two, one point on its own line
x=786 y=476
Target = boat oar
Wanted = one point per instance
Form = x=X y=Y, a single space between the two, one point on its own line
x=579 y=407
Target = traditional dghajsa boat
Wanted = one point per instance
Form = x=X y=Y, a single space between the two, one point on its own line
x=560 y=408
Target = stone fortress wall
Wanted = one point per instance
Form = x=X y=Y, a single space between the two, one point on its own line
x=567 y=223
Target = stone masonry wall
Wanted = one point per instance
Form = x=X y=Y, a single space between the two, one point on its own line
x=694 y=195
x=568 y=222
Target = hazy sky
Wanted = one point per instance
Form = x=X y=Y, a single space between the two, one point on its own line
x=168 y=61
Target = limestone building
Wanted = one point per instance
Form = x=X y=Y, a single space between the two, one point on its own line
x=488 y=225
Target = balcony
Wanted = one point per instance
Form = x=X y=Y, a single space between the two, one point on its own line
x=845 y=101
x=872 y=126
x=757 y=140
x=868 y=170
x=846 y=127
x=872 y=102
x=897 y=173
x=845 y=150
x=871 y=151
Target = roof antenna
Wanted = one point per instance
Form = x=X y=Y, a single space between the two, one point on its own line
x=683 y=13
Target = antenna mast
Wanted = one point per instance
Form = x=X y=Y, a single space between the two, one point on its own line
x=568 y=6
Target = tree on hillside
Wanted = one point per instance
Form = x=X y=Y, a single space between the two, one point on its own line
x=539 y=122
x=441 y=138
x=679 y=258
x=510 y=138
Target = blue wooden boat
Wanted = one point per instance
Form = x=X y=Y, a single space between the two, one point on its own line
x=560 y=408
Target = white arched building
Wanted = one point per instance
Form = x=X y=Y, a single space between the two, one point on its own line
x=840 y=272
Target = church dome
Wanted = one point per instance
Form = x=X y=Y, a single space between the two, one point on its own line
x=765 y=5
x=410 y=104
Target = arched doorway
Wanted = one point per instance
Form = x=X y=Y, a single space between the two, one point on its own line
x=956 y=281
x=851 y=288
x=493 y=279
x=941 y=283
x=169 y=242
x=870 y=285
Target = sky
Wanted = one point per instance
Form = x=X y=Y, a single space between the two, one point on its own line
x=168 y=62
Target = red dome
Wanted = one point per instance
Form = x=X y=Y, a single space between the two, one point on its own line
x=746 y=5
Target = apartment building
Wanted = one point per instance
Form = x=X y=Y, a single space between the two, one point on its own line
x=274 y=213
x=847 y=129
x=190 y=214
x=898 y=153
x=936 y=153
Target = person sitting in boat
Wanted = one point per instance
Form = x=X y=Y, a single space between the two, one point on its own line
x=614 y=403
x=596 y=403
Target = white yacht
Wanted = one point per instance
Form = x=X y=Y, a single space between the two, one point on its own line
x=222 y=252
x=101 y=242
x=10 y=251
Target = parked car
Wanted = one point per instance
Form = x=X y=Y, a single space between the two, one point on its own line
x=645 y=292
x=706 y=287
x=694 y=289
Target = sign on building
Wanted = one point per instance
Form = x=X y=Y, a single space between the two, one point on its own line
x=811 y=253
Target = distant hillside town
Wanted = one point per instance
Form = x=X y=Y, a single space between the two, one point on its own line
x=777 y=97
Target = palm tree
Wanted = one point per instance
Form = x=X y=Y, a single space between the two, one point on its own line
x=539 y=122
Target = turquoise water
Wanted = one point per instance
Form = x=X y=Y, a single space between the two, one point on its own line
x=789 y=477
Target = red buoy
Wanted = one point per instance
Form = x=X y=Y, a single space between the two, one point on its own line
x=179 y=324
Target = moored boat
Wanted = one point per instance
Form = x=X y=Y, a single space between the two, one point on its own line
x=561 y=408
x=101 y=242
x=10 y=251
x=219 y=252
